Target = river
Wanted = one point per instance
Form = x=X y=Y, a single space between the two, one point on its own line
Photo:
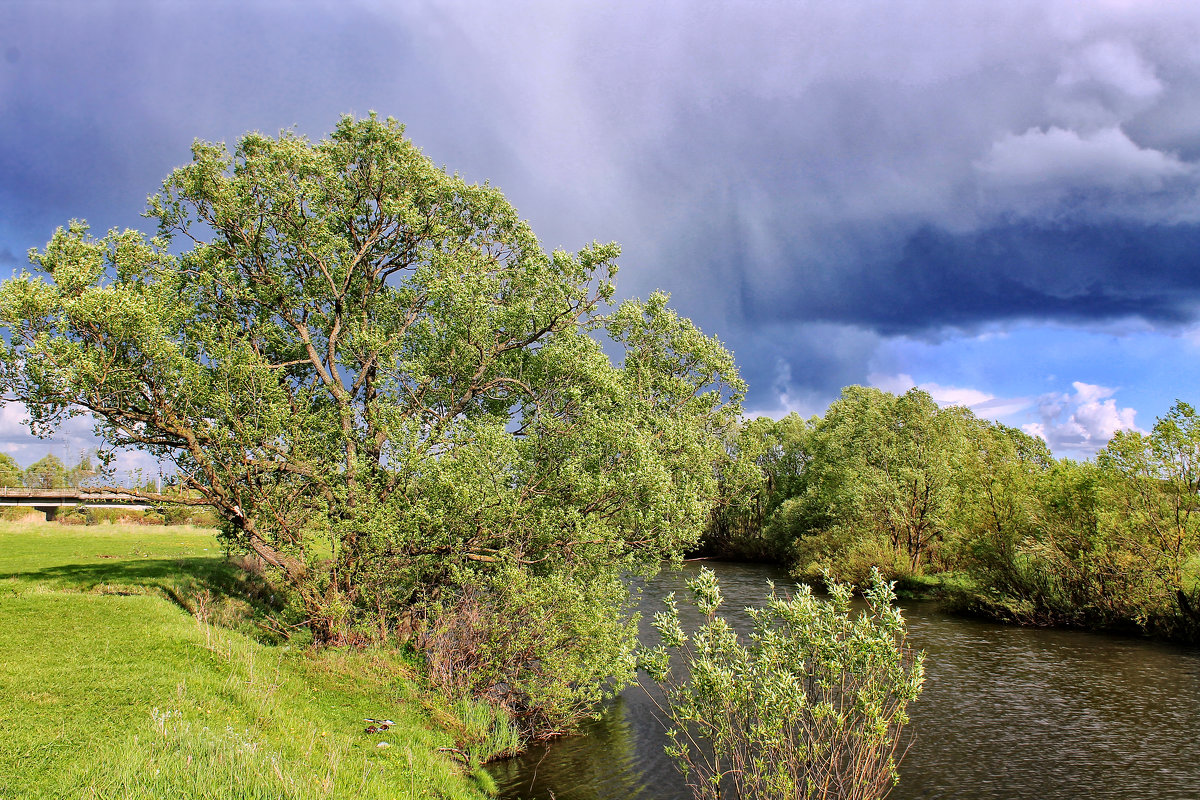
x=1007 y=714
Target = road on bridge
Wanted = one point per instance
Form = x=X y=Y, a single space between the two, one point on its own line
x=49 y=501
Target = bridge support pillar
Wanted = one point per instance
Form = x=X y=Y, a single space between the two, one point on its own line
x=50 y=511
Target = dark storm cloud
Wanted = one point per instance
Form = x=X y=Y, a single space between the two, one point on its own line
x=1073 y=274
x=105 y=98
x=847 y=172
x=867 y=183
x=806 y=178
x=799 y=367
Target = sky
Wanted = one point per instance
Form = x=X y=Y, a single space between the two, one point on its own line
x=998 y=202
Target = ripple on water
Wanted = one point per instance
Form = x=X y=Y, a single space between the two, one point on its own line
x=1007 y=714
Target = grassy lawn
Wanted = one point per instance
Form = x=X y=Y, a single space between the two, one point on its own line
x=130 y=667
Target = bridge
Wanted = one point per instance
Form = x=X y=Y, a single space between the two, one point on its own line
x=49 y=501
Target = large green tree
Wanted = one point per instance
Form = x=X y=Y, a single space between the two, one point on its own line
x=47 y=472
x=1153 y=512
x=765 y=467
x=376 y=375
x=10 y=471
x=996 y=509
x=881 y=476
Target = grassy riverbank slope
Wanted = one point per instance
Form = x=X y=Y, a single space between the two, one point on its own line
x=129 y=669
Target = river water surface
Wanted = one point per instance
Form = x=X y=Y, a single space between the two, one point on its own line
x=1007 y=714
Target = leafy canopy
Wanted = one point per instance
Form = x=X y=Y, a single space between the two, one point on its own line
x=46 y=473
x=10 y=471
x=375 y=374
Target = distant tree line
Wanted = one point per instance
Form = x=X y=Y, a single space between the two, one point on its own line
x=939 y=499
x=48 y=472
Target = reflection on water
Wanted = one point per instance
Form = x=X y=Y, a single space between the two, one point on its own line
x=1007 y=714
x=603 y=763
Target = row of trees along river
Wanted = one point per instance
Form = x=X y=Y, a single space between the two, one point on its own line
x=436 y=435
x=974 y=511
x=985 y=519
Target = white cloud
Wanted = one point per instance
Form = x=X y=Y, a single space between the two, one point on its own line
x=68 y=443
x=981 y=403
x=1105 y=158
x=1057 y=172
x=956 y=395
x=1113 y=64
x=1080 y=423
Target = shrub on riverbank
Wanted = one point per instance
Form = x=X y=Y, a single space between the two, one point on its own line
x=811 y=705
x=570 y=649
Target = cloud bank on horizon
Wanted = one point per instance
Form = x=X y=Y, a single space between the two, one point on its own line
x=997 y=202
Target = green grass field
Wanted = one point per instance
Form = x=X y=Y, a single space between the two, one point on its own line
x=134 y=664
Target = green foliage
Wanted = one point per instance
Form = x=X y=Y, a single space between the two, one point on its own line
x=811 y=706
x=1110 y=544
x=570 y=646
x=373 y=373
x=13 y=513
x=1000 y=521
x=879 y=477
x=844 y=551
x=897 y=484
x=1036 y=552
x=764 y=468
x=46 y=473
x=10 y=471
x=1152 y=505
x=173 y=514
x=483 y=732
x=997 y=490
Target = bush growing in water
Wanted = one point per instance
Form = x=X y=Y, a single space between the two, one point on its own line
x=546 y=649
x=812 y=706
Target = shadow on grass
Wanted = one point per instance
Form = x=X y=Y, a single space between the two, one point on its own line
x=135 y=572
x=230 y=593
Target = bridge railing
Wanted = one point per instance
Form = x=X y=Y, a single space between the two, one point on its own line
x=81 y=493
